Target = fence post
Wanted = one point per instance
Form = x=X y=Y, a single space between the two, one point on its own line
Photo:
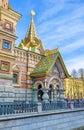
x=72 y=105
x=39 y=107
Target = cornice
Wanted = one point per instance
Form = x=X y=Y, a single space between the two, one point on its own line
x=8 y=34
x=10 y=13
x=7 y=56
x=38 y=74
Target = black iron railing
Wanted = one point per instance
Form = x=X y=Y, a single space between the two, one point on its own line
x=61 y=105
x=54 y=105
x=23 y=107
x=78 y=104
x=17 y=107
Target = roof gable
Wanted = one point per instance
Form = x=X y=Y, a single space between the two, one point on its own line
x=46 y=64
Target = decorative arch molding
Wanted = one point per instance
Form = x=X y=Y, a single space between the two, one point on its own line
x=38 y=83
x=16 y=67
x=55 y=77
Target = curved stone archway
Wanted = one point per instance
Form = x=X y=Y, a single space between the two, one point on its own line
x=37 y=83
x=58 y=86
x=55 y=81
x=38 y=90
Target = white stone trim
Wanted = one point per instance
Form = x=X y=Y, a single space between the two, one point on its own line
x=55 y=77
x=37 y=83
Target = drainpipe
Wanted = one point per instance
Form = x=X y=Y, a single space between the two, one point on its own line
x=33 y=90
x=26 y=78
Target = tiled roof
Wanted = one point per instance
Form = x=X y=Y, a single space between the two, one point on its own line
x=45 y=64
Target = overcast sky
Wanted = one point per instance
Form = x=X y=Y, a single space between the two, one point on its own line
x=59 y=23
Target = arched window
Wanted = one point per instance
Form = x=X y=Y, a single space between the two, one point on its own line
x=16 y=75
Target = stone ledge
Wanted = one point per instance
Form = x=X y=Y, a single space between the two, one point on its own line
x=6 y=77
x=7 y=99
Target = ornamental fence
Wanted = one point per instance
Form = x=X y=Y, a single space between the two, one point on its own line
x=61 y=105
x=32 y=107
x=54 y=106
x=17 y=107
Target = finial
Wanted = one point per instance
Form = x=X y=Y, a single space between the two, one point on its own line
x=32 y=13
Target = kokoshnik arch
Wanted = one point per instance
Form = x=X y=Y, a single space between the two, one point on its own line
x=27 y=69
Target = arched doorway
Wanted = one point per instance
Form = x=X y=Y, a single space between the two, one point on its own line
x=39 y=93
x=57 y=87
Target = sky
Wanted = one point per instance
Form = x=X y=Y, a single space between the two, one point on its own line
x=59 y=24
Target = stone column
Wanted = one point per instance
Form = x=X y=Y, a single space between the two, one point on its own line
x=36 y=98
x=39 y=107
x=55 y=94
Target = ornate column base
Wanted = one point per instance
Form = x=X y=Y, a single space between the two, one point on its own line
x=45 y=96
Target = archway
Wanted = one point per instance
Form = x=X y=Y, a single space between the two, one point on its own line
x=39 y=93
x=57 y=87
x=55 y=81
x=37 y=83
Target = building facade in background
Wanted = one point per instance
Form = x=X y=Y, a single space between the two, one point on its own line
x=28 y=70
x=74 y=88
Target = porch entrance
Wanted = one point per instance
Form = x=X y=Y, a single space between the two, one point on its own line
x=40 y=93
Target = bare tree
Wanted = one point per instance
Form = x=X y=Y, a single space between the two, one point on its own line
x=81 y=73
x=74 y=74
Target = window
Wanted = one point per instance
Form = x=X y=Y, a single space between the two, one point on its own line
x=5 y=66
x=6 y=45
x=15 y=78
x=16 y=75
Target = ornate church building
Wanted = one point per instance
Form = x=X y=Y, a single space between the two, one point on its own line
x=27 y=72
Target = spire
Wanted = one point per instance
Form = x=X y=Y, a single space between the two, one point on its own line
x=4 y=4
x=31 y=30
x=31 y=41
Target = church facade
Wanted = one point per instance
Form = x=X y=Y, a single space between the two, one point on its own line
x=27 y=72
